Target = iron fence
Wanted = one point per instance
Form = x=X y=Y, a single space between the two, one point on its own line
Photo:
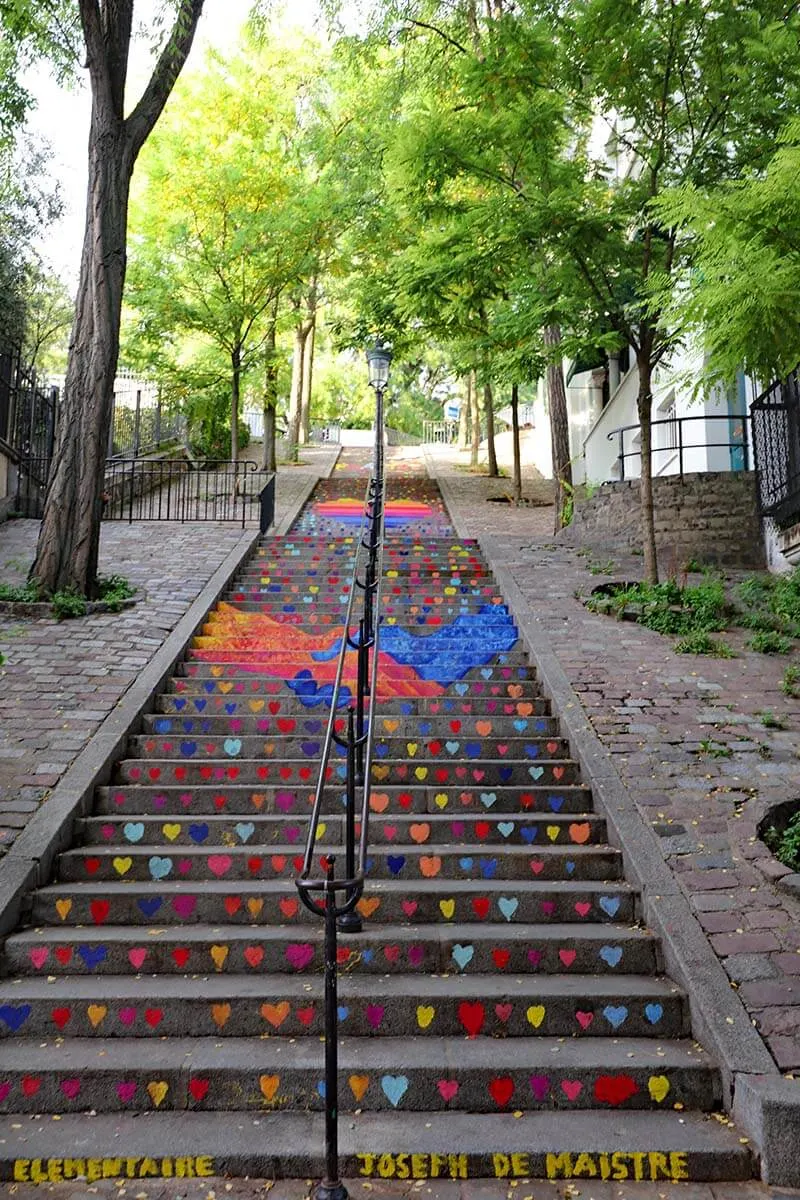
x=678 y=443
x=776 y=443
x=140 y=424
x=157 y=490
x=28 y=409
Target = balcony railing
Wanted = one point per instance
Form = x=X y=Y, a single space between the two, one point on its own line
x=679 y=442
x=776 y=443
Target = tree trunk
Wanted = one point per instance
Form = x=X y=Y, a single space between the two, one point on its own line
x=308 y=380
x=69 y=537
x=465 y=415
x=517 y=492
x=270 y=403
x=236 y=382
x=476 y=420
x=559 y=425
x=488 y=404
x=644 y=404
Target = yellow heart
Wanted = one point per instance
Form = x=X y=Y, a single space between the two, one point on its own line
x=225 y=688
x=658 y=1087
x=95 y=1013
x=219 y=955
x=123 y=865
x=314 y=588
x=321 y=830
x=535 y=1015
x=391 y=726
x=391 y=574
x=254 y=907
x=448 y=907
x=217 y=671
x=269 y=1085
x=256 y=706
x=379 y=772
x=425 y=1014
x=392 y=621
x=367 y=905
x=412 y=748
x=421 y=773
x=158 y=1091
x=553 y=832
x=171 y=831
x=221 y=1013
x=358 y=1085
x=449 y=591
x=441 y=800
x=63 y=908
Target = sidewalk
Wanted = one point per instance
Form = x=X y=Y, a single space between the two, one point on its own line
x=60 y=680
x=656 y=713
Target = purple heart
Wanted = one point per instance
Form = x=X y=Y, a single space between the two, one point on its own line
x=457 y=828
x=299 y=955
x=292 y=833
x=375 y=1014
x=540 y=1086
x=159 y=801
x=284 y=801
x=184 y=906
x=416 y=955
x=548 y=908
x=534 y=958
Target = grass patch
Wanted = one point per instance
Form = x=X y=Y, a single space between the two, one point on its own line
x=770 y=642
x=790 y=684
x=785 y=844
x=701 y=642
x=668 y=608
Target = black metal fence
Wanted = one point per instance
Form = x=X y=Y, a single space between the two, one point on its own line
x=157 y=490
x=776 y=443
x=141 y=424
x=678 y=443
x=28 y=409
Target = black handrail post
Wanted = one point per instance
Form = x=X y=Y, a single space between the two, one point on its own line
x=680 y=448
x=361 y=691
x=350 y=921
x=621 y=455
x=331 y=1187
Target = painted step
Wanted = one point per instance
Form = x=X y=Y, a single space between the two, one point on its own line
x=443 y=728
x=433 y=1074
x=232 y=683
x=252 y=1006
x=442 y=862
x=396 y=831
x=489 y=774
x=482 y=949
x=657 y=1147
x=282 y=605
x=236 y=799
x=277 y=745
x=287 y=704
x=449 y=663
x=275 y=900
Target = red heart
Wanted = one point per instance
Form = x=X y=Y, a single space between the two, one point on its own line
x=284 y=772
x=614 y=1089
x=527 y=800
x=92 y=865
x=501 y=1090
x=289 y=907
x=391 y=953
x=253 y=955
x=442 y=774
x=63 y=954
x=154 y=773
x=274 y=707
x=405 y=800
x=153 y=1016
x=30 y=1086
x=180 y=956
x=205 y=772
x=472 y=1017
x=220 y=802
x=198 y=1088
x=342 y=955
x=482 y=830
x=304 y=773
x=180 y=773
x=61 y=1016
x=232 y=772
x=435 y=748
x=254 y=865
x=286 y=724
x=480 y=906
x=263 y=772
x=501 y=958
x=306 y=1015
x=232 y=904
x=99 y=910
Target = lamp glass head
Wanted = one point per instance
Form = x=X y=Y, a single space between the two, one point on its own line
x=379 y=358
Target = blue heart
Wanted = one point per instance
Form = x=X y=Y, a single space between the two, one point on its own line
x=188 y=749
x=556 y=803
x=540 y=726
x=488 y=868
x=149 y=907
x=164 y=725
x=394 y=1088
x=505 y=773
x=611 y=955
x=532 y=751
x=230 y=709
x=209 y=686
x=520 y=726
x=508 y=905
x=367 y=955
x=654 y=1013
x=505 y=828
x=245 y=830
x=343 y=1012
x=529 y=833
x=382 y=750
x=201 y=705
x=462 y=955
x=466 y=864
x=569 y=867
x=473 y=749
x=321 y=1088
x=133 y=831
x=309 y=748
x=488 y=799
x=609 y=905
x=93 y=955
x=188 y=726
x=198 y=833
x=14 y=1015
x=615 y=1016
x=159 y=867
x=424 y=728
x=180 y=705
x=395 y=863
x=232 y=746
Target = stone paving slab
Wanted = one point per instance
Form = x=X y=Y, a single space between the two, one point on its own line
x=60 y=680
x=686 y=736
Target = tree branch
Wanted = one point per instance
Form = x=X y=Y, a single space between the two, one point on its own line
x=439 y=33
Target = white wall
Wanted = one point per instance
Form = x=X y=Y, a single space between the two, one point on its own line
x=601 y=454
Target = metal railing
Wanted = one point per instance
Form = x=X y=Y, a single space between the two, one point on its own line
x=678 y=446
x=158 y=490
x=357 y=744
x=28 y=409
x=776 y=446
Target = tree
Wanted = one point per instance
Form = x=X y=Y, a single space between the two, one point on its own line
x=69 y=538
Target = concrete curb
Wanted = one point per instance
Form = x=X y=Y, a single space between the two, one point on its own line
x=766 y=1106
x=30 y=859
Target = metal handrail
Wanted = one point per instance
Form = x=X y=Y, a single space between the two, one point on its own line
x=743 y=444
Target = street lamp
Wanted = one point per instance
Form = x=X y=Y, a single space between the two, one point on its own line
x=379 y=359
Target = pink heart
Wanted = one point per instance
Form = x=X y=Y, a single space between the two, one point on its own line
x=126 y=1091
x=582 y=909
x=284 y=801
x=390 y=832
x=127 y=1016
x=478 y=775
x=184 y=866
x=540 y=1086
x=448 y=1088
x=567 y=957
x=38 y=956
x=534 y=958
x=548 y=908
x=70 y=1087
x=119 y=799
x=299 y=955
x=135 y=773
x=186 y=800
x=107 y=831
x=416 y=955
x=571 y=1088
x=184 y=906
x=5 y=1088
x=537 y=866
x=584 y=1019
x=409 y=907
x=503 y=1011
x=137 y=956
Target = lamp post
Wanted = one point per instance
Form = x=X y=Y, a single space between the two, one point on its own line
x=379 y=360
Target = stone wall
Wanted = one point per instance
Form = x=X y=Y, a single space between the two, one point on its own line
x=710 y=517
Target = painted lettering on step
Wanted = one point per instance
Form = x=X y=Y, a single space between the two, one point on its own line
x=413 y=1166
x=57 y=1170
x=651 y=1166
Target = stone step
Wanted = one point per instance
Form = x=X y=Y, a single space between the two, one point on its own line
x=432 y=1074
x=242 y=799
x=244 y=747
x=662 y=1147
x=450 y=662
x=489 y=774
x=286 y=704
x=282 y=605
x=227 y=616
x=275 y=900
x=252 y=1006
x=401 y=830
x=443 y=728
x=508 y=950
x=440 y=862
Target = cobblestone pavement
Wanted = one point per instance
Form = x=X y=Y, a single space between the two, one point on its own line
x=62 y=679
x=688 y=737
x=478 y=1189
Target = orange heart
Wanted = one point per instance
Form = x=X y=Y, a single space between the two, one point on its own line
x=515 y=690
x=483 y=727
x=269 y=1085
x=430 y=865
x=379 y=802
x=358 y=1085
x=420 y=833
x=368 y=905
x=580 y=832
x=276 y=1014
x=221 y=1014
x=219 y=954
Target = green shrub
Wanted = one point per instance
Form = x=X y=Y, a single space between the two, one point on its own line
x=24 y=593
x=701 y=642
x=113 y=590
x=786 y=845
x=68 y=603
x=790 y=684
x=770 y=642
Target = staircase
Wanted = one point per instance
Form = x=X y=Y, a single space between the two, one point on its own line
x=502 y=1013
